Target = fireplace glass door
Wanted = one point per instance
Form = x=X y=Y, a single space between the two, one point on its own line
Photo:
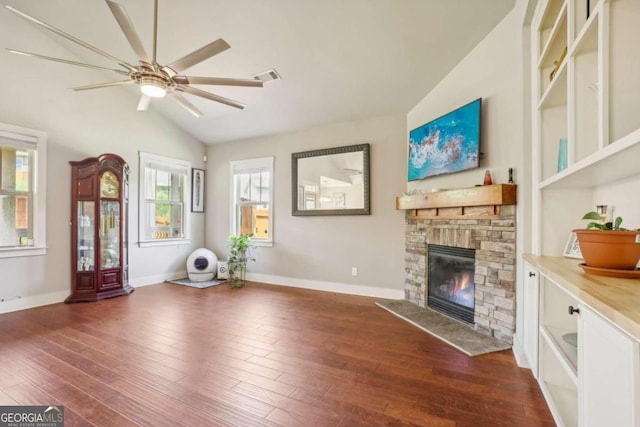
x=451 y=289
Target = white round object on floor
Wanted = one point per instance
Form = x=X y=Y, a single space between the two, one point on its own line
x=202 y=265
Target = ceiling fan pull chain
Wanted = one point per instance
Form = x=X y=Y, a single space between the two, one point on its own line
x=155 y=33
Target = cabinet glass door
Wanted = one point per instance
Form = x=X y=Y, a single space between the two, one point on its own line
x=109 y=234
x=86 y=235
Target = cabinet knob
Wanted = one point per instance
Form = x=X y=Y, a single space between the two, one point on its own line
x=573 y=310
x=532 y=274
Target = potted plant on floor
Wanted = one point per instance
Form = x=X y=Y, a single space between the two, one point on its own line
x=607 y=245
x=239 y=254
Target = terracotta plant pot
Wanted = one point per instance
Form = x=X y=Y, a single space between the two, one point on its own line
x=618 y=250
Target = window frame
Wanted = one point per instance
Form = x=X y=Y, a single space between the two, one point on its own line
x=38 y=215
x=184 y=168
x=244 y=166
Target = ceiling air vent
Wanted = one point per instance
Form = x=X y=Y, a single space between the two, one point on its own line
x=267 y=76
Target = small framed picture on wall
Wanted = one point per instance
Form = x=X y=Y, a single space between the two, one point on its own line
x=572 y=248
x=197 y=190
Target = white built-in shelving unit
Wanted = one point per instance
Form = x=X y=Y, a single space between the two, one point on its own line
x=585 y=89
x=592 y=100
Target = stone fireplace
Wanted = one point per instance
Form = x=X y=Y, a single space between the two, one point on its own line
x=490 y=231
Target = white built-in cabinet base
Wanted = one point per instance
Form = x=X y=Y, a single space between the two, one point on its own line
x=596 y=382
x=609 y=373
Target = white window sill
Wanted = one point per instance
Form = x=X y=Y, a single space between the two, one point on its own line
x=22 y=251
x=263 y=243
x=163 y=242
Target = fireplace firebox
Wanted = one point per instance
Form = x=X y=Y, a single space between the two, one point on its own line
x=451 y=289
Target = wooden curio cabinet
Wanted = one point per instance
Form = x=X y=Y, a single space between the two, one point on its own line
x=99 y=229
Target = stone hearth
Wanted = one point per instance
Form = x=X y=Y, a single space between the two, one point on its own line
x=494 y=240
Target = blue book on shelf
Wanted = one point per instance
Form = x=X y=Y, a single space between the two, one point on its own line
x=562 y=155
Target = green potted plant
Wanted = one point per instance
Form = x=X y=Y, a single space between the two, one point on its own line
x=608 y=245
x=239 y=254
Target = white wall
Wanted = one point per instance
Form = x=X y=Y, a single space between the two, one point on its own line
x=319 y=252
x=35 y=94
x=316 y=252
x=493 y=71
x=616 y=197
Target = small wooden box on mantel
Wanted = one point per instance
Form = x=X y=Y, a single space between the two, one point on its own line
x=473 y=202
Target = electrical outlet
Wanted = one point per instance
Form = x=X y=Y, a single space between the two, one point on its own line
x=354 y=271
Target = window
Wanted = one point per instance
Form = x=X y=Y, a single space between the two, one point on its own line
x=22 y=191
x=163 y=199
x=252 y=195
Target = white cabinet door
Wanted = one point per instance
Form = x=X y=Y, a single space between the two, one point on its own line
x=530 y=310
x=608 y=373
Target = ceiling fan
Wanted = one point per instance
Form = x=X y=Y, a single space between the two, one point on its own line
x=349 y=171
x=155 y=80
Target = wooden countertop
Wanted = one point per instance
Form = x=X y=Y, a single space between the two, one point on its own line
x=615 y=299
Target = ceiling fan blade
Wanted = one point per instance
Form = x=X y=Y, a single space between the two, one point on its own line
x=65 y=61
x=211 y=96
x=143 y=104
x=199 y=55
x=101 y=85
x=220 y=81
x=185 y=103
x=121 y=15
x=70 y=37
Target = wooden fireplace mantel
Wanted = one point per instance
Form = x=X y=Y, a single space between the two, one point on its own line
x=473 y=202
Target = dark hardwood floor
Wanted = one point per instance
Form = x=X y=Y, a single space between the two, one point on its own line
x=170 y=355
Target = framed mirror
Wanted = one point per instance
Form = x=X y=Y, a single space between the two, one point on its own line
x=332 y=181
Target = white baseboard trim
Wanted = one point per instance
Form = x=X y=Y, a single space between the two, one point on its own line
x=138 y=282
x=518 y=353
x=341 y=288
x=33 y=301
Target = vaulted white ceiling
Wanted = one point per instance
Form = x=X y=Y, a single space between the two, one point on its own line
x=340 y=60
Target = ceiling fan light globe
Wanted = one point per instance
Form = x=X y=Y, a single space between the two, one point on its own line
x=153 y=87
x=153 y=91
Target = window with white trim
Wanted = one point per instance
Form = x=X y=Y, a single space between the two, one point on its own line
x=163 y=200
x=23 y=159
x=251 y=199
